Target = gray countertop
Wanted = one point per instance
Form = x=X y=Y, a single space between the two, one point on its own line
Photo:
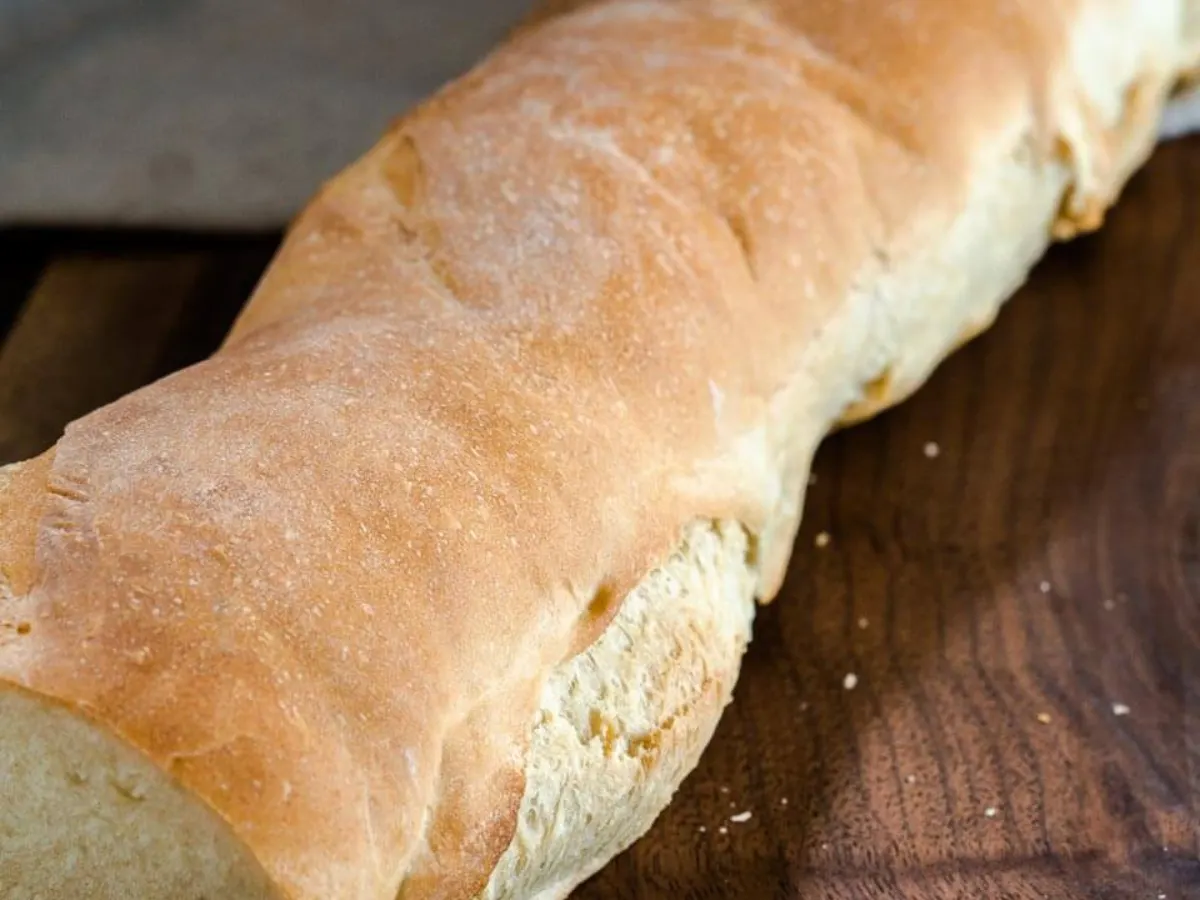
x=211 y=113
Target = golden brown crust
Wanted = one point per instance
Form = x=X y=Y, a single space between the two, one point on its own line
x=621 y=277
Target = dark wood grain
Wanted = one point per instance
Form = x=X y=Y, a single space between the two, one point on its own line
x=1021 y=610
x=101 y=317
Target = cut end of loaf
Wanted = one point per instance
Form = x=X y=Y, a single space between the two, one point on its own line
x=619 y=727
x=84 y=815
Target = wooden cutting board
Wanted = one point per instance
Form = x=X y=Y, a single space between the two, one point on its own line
x=982 y=679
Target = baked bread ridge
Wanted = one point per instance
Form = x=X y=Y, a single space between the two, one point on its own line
x=448 y=359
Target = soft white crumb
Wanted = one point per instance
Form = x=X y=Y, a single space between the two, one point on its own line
x=1120 y=709
x=741 y=817
x=932 y=450
x=822 y=539
x=1044 y=587
x=850 y=682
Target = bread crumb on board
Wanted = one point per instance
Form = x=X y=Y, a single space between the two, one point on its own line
x=1120 y=709
x=1044 y=718
x=932 y=450
x=850 y=682
x=990 y=812
x=741 y=817
x=822 y=539
x=1044 y=587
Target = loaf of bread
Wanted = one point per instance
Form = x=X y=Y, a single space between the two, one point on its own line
x=434 y=581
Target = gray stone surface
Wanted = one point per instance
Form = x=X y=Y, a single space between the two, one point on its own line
x=211 y=113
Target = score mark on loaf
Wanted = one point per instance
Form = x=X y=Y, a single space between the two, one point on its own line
x=434 y=581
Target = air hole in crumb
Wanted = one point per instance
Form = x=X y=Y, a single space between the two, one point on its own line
x=24 y=628
x=602 y=729
x=128 y=789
